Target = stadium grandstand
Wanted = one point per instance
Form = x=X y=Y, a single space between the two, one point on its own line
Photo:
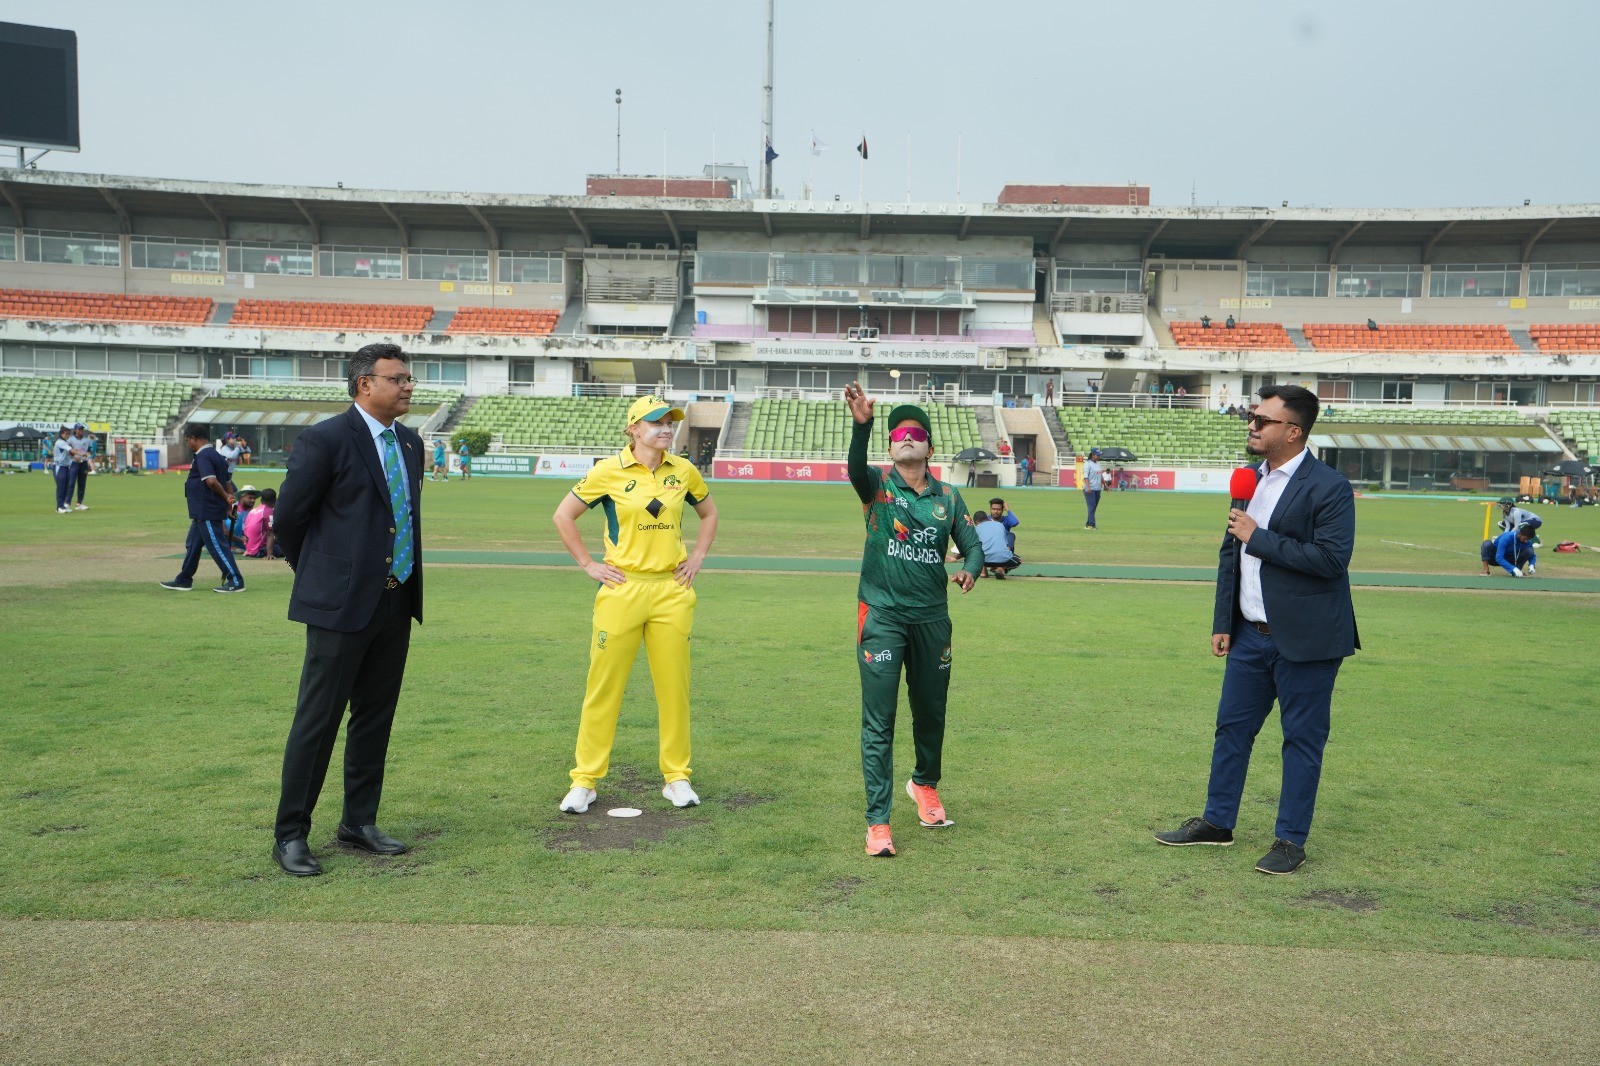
x=1450 y=347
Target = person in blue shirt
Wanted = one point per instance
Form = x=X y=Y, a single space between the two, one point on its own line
x=1008 y=521
x=1513 y=551
x=210 y=504
x=466 y=461
x=441 y=463
x=998 y=558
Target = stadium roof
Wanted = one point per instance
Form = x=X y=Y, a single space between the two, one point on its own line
x=1176 y=232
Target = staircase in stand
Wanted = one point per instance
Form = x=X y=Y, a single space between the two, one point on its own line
x=1058 y=433
x=571 y=318
x=738 y=428
x=457 y=413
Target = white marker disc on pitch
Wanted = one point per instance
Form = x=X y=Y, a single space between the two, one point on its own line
x=624 y=812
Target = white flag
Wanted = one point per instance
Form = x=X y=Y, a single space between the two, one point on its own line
x=817 y=147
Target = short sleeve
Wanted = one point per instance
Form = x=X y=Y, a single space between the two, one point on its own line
x=696 y=488
x=593 y=486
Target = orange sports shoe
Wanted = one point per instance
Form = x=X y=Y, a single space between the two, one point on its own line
x=879 y=846
x=930 y=812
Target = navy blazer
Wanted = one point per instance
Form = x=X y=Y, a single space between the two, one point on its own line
x=1305 y=567
x=336 y=525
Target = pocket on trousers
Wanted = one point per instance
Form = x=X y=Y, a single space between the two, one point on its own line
x=322 y=581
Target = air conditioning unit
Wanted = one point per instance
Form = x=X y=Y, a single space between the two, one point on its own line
x=662 y=247
x=705 y=354
x=994 y=358
x=635 y=245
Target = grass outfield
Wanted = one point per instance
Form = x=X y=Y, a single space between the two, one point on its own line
x=1451 y=854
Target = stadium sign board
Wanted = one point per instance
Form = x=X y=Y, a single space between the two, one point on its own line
x=886 y=352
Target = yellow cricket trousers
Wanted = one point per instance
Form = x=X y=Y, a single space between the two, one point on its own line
x=661 y=611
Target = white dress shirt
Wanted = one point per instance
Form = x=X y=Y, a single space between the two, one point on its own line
x=1268 y=493
x=377 y=428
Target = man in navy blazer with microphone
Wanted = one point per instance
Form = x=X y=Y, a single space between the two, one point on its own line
x=349 y=520
x=1285 y=622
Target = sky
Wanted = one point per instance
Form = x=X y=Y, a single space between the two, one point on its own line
x=1397 y=104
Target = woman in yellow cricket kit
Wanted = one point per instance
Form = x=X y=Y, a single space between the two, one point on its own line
x=646 y=593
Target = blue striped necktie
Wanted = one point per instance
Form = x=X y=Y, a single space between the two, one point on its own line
x=403 y=560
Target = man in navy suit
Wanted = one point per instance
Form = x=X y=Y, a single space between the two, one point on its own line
x=1284 y=621
x=349 y=521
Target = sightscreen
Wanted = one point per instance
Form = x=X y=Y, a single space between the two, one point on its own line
x=38 y=87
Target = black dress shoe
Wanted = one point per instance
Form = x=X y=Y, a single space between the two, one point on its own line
x=295 y=857
x=371 y=838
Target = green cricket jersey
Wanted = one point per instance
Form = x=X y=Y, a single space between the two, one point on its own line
x=908 y=533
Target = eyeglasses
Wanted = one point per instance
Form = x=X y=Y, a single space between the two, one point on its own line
x=402 y=380
x=916 y=433
x=1262 y=421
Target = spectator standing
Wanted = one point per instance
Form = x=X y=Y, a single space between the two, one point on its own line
x=1094 y=483
x=903 y=613
x=1167 y=391
x=230 y=449
x=61 y=467
x=1284 y=621
x=999 y=512
x=1223 y=400
x=349 y=518
x=1050 y=392
x=210 y=503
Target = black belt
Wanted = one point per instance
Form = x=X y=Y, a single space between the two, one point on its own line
x=1260 y=627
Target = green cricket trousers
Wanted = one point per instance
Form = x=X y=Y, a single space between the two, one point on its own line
x=885 y=642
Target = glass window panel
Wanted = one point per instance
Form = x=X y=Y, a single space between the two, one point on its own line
x=91 y=359
x=175 y=253
x=122 y=361
x=1462 y=279
x=1386 y=280
x=8 y=245
x=1014 y=275
x=15 y=358
x=261 y=257
x=530 y=268
x=1564 y=279
x=731 y=268
x=348 y=261
x=1277 y=279
x=1098 y=277
x=72 y=248
x=443 y=264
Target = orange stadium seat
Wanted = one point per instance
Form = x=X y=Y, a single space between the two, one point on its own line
x=1358 y=338
x=1577 y=337
x=1257 y=335
x=106 y=307
x=521 y=321
x=307 y=314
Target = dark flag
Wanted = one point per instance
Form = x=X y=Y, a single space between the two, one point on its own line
x=862 y=147
x=771 y=155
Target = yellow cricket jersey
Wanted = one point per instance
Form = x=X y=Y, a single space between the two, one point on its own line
x=643 y=509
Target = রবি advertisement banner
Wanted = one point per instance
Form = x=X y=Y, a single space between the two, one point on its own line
x=1146 y=479
x=788 y=470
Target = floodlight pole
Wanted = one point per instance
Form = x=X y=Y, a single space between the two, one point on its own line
x=619 y=131
x=766 y=113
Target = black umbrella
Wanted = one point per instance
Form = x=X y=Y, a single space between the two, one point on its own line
x=24 y=433
x=975 y=455
x=1572 y=468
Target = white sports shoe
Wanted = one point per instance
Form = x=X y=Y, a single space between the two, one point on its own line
x=81 y=507
x=578 y=799
x=681 y=794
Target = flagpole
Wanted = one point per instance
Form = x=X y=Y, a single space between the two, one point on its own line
x=713 y=162
x=958 y=168
x=908 y=166
x=811 y=164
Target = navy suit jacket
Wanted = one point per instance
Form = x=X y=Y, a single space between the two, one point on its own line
x=337 y=527
x=1305 y=567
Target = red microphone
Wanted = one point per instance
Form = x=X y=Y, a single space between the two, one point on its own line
x=1242 y=486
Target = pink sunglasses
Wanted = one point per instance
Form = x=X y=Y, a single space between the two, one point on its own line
x=916 y=433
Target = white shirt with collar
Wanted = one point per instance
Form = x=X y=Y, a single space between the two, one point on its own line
x=376 y=428
x=1262 y=504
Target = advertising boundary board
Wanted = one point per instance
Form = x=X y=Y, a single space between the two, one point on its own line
x=790 y=470
x=1185 y=479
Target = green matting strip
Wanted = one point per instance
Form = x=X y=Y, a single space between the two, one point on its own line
x=1100 y=573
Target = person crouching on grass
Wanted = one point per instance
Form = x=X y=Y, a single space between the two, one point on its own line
x=902 y=610
x=645 y=593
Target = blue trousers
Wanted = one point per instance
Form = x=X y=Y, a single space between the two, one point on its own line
x=63 y=486
x=80 y=478
x=1093 y=500
x=1256 y=675
x=210 y=536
